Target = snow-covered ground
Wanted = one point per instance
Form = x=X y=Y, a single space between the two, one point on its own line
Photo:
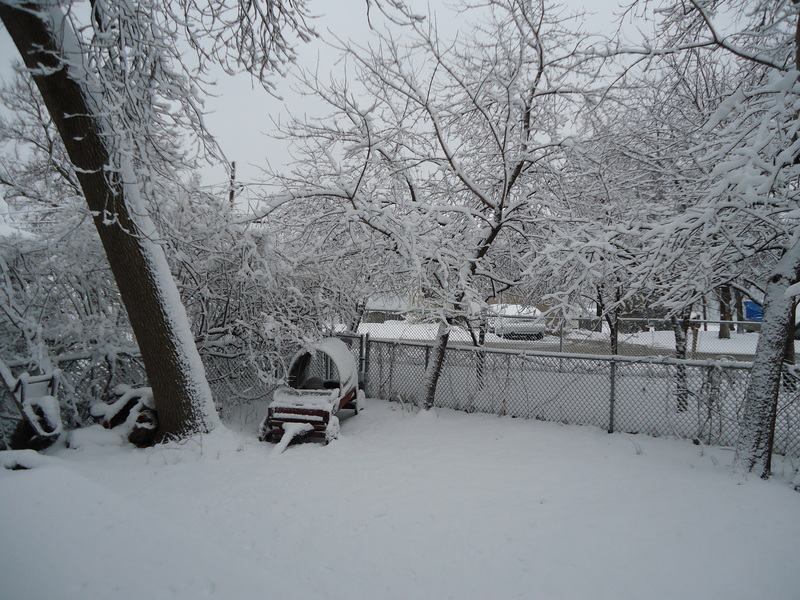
x=708 y=342
x=417 y=332
x=431 y=506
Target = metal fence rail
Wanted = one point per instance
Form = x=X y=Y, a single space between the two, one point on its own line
x=699 y=400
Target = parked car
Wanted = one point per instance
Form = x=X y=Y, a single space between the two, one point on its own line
x=516 y=322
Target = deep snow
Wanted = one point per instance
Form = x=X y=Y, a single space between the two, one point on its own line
x=430 y=505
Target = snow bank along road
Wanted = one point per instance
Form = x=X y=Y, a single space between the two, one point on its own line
x=431 y=505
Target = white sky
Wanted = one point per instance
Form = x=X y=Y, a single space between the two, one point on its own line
x=241 y=115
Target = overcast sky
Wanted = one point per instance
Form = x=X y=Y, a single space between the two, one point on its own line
x=241 y=114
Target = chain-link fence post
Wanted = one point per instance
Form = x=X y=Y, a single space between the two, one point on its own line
x=367 y=362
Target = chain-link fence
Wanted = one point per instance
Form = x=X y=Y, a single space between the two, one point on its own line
x=84 y=380
x=236 y=385
x=699 y=400
x=705 y=339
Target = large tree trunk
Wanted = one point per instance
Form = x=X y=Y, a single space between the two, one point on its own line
x=788 y=349
x=680 y=327
x=435 y=364
x=612 y=319
x=47 y=44
x=754 y=446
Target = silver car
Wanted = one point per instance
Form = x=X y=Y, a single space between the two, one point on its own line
x=516 y=322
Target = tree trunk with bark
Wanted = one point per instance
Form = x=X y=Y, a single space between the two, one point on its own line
x=435 y=364
x=612 y=319
x=757 y=426
x=725 y=312
x=788 y=350
x=680 y=327
x=739 y=303
x=183 y=399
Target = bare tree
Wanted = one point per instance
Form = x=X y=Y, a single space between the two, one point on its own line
x=446 y=151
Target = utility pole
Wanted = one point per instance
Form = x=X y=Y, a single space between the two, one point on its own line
x=232 y=191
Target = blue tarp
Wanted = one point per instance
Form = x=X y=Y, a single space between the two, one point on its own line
x=753 y=311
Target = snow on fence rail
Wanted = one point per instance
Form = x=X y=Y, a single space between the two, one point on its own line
x=659 y=396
